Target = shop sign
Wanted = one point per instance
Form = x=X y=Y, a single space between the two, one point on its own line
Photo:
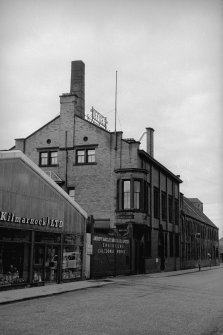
x=110 y=245
x=44 y=222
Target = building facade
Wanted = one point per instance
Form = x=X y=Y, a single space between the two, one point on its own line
x=42 y=231
x=199 y=236
x=128 y=192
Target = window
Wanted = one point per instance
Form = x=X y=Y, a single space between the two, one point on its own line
x=132 y=195
x=48 y=158
x=126 y=194
x=80 y=156
x=176 y=211
x=156 y=202
x=136 y=194
x=164 y=206
x=71 y=192
x=170 y=207
x=91 y=156
x=85 y=156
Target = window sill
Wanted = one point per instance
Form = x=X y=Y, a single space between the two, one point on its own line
x=81 y=164
x=55 y=165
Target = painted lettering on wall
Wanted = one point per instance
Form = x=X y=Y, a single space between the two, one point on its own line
x=47 y=222
x=110 y=245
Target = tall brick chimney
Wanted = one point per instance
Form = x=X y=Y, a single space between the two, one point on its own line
x=77 y=85
x=150 y=141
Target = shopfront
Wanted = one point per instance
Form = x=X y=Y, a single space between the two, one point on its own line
x=42 y=231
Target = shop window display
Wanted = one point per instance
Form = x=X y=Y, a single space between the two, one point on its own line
x=72 y=264
x=14 y=257
x=72 y=257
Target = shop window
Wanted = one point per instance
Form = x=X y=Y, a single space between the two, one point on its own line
x=71 y=192
x=164 y=206
x=48 y=158
x=156 y=202
x=85 y=156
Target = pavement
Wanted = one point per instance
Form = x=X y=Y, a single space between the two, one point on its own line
x=22 y=294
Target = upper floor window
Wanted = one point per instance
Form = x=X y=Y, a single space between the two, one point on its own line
x=85 y=156
x=170 y=208
x=156 y=202
x=137 y=186
x=176 y=211
x=164 y=206
x=48 y=158
x=126 y=194
x=132 y=195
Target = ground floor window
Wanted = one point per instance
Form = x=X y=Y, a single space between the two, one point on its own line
x=35 y=258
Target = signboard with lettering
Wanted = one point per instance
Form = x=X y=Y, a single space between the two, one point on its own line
x=111 y=256
x=11 y=217
x=97 y=118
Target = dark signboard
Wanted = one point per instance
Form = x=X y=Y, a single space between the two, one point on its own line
x=111 y=256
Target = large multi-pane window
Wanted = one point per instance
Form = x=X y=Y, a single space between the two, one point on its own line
x=48 y=158
x=132 y=194
x=85 y=156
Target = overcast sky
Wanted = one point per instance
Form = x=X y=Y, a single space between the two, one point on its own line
x=168 y=54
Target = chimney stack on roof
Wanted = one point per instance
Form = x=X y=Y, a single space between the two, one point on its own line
x=77 y=85
x=150 y=141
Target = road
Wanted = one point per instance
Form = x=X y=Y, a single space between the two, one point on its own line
x=185 y=304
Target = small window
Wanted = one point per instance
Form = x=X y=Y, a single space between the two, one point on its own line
x=85 y=156
x=80 y=156
x=53 y=157
x=71 y=192
x=91 y=156
x=48 y=158
x=43 y=158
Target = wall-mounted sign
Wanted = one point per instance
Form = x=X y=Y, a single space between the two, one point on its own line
x=47 y=222
x=97 y=118
x=110 y=245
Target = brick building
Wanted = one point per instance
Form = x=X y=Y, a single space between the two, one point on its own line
x=125 y=189
x=199 y=235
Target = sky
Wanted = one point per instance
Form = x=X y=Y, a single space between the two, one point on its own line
x=168 y=58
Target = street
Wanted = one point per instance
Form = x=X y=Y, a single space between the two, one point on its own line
x=185 y=304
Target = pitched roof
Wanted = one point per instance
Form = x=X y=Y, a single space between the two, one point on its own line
x=16 y=154
x=190 y=210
